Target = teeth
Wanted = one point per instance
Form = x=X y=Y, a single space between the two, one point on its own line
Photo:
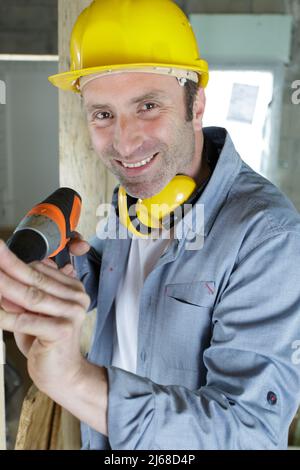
x=135 y=165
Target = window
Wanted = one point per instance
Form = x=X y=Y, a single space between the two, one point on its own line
x=241 y=101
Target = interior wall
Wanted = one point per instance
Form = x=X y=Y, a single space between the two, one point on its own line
x=28 y=26
x=29 y=148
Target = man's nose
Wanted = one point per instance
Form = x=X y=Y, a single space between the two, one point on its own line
x=127 y=136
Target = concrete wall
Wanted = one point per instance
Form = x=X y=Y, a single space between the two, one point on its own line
x=233 y=6
x=28 y=27
x=29 y=152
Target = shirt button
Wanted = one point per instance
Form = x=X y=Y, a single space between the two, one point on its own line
x=272 y=398
x=143 y=355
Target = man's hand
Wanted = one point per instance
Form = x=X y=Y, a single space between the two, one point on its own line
x=45 y=308
x=77 y=247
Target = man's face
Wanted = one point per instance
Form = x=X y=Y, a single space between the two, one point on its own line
x=139 y=118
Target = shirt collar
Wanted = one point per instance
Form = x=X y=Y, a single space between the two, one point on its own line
x=215 y=193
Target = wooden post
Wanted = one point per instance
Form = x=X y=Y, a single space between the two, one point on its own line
x=80 y=168
x=2 y=401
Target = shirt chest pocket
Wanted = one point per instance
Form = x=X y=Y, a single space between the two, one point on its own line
x=185 y=325
x=198 y=293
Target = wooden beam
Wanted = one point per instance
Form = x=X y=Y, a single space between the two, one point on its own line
x=80 y=168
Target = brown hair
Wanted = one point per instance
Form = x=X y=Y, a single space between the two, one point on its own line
x=190 y=90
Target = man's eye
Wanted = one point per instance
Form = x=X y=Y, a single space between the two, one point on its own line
x=148 y=106
x=103 y=115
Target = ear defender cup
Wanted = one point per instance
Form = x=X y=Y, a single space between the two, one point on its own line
x=144 y=216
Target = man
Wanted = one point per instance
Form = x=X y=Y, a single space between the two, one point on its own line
x=193 y=348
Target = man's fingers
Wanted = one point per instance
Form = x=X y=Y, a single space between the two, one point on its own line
x=60 y=275
x=44 y=295
x=45 y=328
x=40 y=288
x=69 y=270
x=78 y=247
x=13 y=266
x=26 y=273
x=50 y=262
x=9 y=306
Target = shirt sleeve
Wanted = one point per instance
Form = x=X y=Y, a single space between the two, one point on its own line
x=88 y=269
x=253 y=376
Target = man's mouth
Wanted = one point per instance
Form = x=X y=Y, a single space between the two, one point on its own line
x=133 y=167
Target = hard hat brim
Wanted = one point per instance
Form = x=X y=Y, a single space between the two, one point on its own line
x=67 y=81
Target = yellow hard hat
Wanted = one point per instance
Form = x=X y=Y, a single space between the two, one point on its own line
x=117 y=35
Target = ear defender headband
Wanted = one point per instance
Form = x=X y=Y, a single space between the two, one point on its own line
x=144 y=216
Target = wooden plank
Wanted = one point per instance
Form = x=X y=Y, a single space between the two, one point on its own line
x=45 y=425
x=36 y=422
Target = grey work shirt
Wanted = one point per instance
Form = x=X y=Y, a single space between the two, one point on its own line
x=219 y=327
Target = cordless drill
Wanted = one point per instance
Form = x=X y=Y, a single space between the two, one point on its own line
x=47 y=228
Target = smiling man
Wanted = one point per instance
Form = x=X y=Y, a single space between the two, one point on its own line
x=145 y=138
x=192 y=348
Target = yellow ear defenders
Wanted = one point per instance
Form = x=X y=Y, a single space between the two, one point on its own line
x=143 y=216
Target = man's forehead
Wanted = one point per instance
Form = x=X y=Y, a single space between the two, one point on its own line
x=102 y=99
x=132 y=86
x=140 y=95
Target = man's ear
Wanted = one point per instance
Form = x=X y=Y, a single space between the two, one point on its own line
x=198 y=109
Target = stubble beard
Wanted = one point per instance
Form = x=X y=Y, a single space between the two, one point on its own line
x=175 y=159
